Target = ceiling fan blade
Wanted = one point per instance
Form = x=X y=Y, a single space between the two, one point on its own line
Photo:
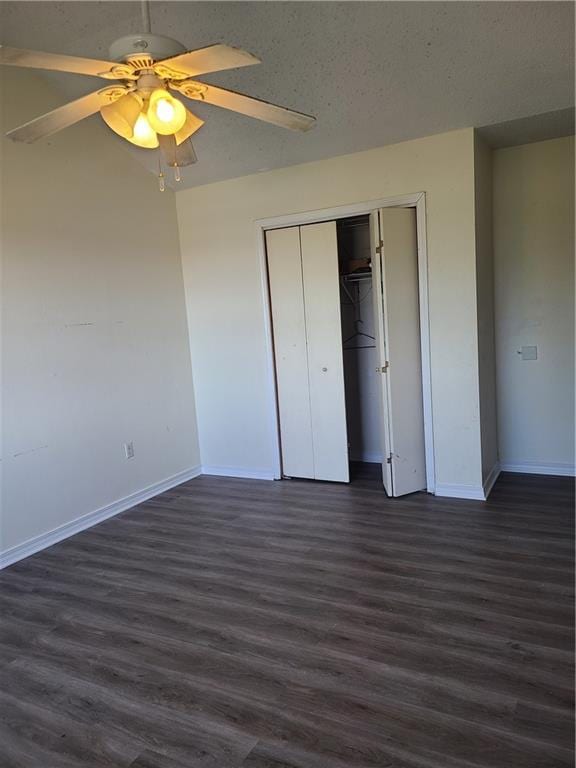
x=177 y=155
x=18 y=57
x=211 y=59
x=60 y=118
x=247 y=105
x=187 y=154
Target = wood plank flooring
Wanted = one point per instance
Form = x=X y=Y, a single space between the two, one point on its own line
x=252 y=624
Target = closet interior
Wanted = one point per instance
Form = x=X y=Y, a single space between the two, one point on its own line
x=358 y=340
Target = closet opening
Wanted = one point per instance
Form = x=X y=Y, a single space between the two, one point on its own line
x=347 y=309
x=359 y=353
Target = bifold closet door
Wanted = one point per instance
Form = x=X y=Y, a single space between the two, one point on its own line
x=305 y=308
x=395 y=264
x=319 y=246
x=289 y=328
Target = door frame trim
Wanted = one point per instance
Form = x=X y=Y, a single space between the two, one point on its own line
x=416 y=200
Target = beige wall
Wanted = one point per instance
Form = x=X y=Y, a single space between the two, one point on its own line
x=534 y=262
x=485 y=301
x=95 y=342
x=225 y=304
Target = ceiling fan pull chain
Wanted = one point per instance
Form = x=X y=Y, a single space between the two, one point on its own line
x=146 y=23
x=161 y=184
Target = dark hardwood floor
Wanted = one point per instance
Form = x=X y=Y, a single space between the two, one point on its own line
x=252 y=624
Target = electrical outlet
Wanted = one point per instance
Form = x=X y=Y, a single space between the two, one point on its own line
x=129 y=450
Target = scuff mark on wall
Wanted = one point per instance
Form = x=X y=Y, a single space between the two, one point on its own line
x=29 y=450
x=77 y=325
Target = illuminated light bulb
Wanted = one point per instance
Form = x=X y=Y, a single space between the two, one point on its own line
x=144 y=135
x=122 y=114
x=166 y=114
x=164 y=111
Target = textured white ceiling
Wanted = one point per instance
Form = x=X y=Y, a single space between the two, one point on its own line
x=373 y=73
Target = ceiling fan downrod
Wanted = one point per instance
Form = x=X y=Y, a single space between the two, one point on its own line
x=146 y=23
x=145 y=42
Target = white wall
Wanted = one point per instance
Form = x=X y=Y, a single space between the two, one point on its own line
x=225 y=305
x=95 y=342
x=534 y=262
x=485 y=302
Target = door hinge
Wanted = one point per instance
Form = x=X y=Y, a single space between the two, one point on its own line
x=383 y=368
x=389 y=459
x=380 y=246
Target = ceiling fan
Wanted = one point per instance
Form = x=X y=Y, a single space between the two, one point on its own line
x=144 y=105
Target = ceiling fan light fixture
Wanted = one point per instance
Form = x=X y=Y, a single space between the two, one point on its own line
x=191 y=125
x=166 y=114
x=121 y=115
x=139 y=107
x=144 y=135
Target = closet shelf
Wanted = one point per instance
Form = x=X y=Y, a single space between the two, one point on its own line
x=355 y=277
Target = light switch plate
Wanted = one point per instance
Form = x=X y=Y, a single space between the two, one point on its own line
x=529 y=353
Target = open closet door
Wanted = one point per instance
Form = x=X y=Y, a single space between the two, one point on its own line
x=319 y=246
x=395 y=268
x=381 y=356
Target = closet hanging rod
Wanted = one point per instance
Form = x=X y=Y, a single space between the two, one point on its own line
x=352 y=278
x=368 y=346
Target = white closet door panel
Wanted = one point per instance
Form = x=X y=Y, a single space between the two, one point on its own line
x=319 y=248
x=402 y=341
x=289 y=332
x=380 y=358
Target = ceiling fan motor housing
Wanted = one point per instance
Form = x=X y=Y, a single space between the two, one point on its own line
x=155 y=46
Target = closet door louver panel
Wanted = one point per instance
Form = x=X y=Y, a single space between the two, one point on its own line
x=319 y=247
x=289 y=330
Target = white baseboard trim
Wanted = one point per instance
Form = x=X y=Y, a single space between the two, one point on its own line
x=493 y=475
x=45 y=540
x=250 y=474
x=532 y=468
x=456 y=491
